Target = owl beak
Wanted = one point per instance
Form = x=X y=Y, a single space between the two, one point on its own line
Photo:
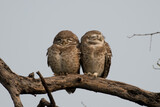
x=64 y=42
x=100 y=38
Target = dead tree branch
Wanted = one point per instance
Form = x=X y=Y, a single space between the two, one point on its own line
x=17 y=85
x=43 y=103
x=52 y=102
x=148 y=34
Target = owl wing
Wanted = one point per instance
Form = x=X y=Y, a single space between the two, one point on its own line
x=81 y=56
x=50 y=54
x=107 y=64
x=79 y=53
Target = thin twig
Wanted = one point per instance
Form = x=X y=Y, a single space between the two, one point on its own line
x=83 y=104
x=148 y=34
x=158 y=63
x=47 y=90
x=150 y=43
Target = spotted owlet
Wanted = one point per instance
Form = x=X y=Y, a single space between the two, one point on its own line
x=64 y=55
x=95 y=54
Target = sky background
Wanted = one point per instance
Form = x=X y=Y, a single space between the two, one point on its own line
x=27 y=29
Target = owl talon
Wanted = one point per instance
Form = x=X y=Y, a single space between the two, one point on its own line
x=89 y=74
x=95 y=75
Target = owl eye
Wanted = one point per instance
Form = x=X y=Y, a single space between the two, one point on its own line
x=59 y=40
x=70 y=40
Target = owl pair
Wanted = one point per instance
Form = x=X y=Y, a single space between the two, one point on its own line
x=66 y=54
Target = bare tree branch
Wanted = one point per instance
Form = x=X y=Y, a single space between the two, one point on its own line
x=148 y=34
x=17 y=85
x=10 y=83
x=52 y=104
x=43 y=103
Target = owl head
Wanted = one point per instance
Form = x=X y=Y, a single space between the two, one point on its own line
x=93 y=37
x=65 y=38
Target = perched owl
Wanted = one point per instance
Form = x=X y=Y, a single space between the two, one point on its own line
x=64 y=55
x=95 y=54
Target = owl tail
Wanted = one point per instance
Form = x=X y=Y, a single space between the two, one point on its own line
x=70 y=90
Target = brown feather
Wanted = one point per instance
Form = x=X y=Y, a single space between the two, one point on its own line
x=95 y=54
x=64 y=58
x=107 y=61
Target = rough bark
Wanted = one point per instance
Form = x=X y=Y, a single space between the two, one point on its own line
x=17 y=85
x=43 y=101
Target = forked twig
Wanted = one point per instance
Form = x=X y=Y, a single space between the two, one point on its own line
x=148 y=34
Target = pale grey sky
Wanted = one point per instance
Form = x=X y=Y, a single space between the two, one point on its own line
x=27 y=29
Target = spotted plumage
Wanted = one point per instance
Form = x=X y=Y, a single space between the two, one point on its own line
x=64 y=55
x=95 y=54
